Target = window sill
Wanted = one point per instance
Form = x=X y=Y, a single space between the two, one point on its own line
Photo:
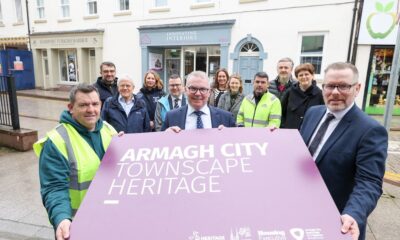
x=18 y=23
x=38 y=21
x=202 y=5
x=123 y=13
x=88 y=17
x=250 y=1
x=63 y=20
x=159 y=9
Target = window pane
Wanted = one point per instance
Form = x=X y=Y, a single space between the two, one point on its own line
x=64 y=2
x=65 y=11
x=316 y=61
x=1 y=15
x=313 y=44
x=18 y=9
x=123 y=4
x=92 y=6
x=161 y=3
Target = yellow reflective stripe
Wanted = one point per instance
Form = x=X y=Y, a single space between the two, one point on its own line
x=76 y=194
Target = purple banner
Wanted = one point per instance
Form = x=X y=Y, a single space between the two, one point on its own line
x=209 y=184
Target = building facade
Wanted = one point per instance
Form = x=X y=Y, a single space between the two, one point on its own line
x=70 y=38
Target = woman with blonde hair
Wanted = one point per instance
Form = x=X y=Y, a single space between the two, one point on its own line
x=151 y=91
x=231 y=99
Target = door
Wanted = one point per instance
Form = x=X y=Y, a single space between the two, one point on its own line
x=248 y=67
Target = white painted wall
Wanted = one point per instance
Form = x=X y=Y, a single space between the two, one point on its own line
x=275 y=23
x=10 y=26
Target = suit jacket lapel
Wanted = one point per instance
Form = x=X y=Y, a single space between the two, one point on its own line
x=314 y=124
x=337 y=133
x=182 y=117
x=215 y=118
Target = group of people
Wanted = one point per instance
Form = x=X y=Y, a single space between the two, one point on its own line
x=348 y=147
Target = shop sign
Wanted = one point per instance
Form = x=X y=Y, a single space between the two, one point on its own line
x=378 y=22
x=66 y=42
x=208 y=184
x=182 y=36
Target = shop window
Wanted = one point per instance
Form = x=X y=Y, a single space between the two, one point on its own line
x=65 y=8
x=311 y=50
x=92 y=7
x=45 y=62
x=92 y=65
x=202 y=58
x=160 y=3
x=40 y=9
x=378 y=81
x=68 y=66
x=123 y=5
x=173 y=61
x=18 y=11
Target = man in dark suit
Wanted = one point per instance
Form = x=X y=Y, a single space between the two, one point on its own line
x=349 y=148
x=197 y=114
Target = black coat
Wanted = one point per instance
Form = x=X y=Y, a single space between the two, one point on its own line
x=150 y=98
x=296 y=102
x=106 y=91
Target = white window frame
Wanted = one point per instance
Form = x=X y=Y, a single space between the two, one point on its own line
x=18 y=11
x=65 y=6
x=314 y=54
x=123 y=7
x=89 y=3
x=40 y=10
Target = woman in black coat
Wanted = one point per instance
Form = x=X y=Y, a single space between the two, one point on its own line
x=151 y=91
x=304 y=94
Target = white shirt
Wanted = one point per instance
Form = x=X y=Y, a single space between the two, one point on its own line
x=331 y=127
x=127 y=106
x=191 y=118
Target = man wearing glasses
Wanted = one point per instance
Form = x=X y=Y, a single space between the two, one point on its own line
x=349 y=148
x=197 y=114
x=175 y=99
x=107 y=83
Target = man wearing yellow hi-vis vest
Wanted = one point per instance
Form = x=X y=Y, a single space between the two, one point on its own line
x=261 y=108
x=70 y=155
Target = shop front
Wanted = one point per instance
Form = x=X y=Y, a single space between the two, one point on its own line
x=66 y=58
x=378 y=35
x=183 y=48
x=378 y=79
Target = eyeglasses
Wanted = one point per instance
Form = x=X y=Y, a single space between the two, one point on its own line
x=340 y=87
x=175 y=85
x=194 y=90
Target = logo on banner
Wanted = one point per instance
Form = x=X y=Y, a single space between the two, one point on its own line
x=297 y=233
x=271 y=235
x=196 y=236
x=243 y=233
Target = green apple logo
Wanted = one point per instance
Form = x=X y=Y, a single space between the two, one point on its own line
x=383 y=17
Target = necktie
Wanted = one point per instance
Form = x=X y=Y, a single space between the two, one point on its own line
x=320 y=134
x=176 y=103
x=199 y=122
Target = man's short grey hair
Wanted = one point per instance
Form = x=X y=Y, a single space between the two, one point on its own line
x=286 y=59
x=125 y=77
x=84 y=88
x=198 y=74
x=342 y=66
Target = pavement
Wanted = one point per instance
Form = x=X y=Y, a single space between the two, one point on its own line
x=22 y=216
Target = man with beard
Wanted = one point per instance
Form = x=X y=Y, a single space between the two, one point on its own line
x=197 y=114
x=284 y=81
x=260 y=108
x=107 y=83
